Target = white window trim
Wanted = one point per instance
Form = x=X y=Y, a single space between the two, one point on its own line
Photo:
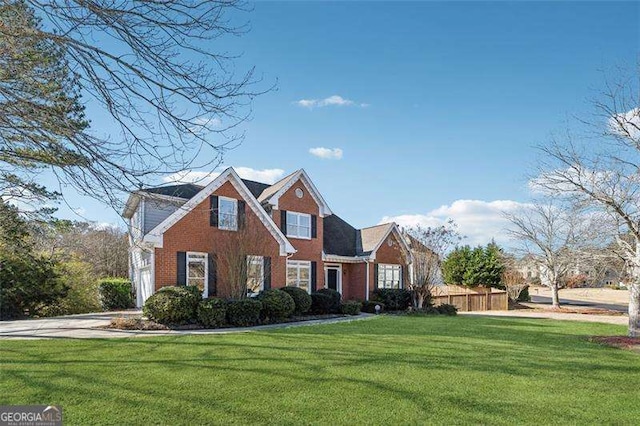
x=301 y=237
x=235 y=202
x=338 y=269
x=297 y=264
x=205 y=292
x=256 y=260
x=390 y=265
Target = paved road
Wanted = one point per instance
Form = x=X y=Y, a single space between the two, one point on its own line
x=584 y=303
x=89 y=326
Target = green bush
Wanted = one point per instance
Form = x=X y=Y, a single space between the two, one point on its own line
x=321 y=303
x=446 y=309
x=276 y=304
x=116 y=293
x=336 y=297
x=212 y=313
x=300 y=297
x=369 y=306
x=172 y=305
x=394 y=299
x=524 y=295
x=350 y=307
x=243 y=312
x=82 y=295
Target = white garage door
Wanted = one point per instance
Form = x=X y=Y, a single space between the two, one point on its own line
x=145 y=286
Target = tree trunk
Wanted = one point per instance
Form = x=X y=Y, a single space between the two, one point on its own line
x=555 y=298
x=634 y=309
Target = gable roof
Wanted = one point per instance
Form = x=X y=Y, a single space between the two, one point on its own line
x=256 y=188
x=272 y=194
x=271 y=190
x=372 y=237
x=186 y=191
x=155 y=236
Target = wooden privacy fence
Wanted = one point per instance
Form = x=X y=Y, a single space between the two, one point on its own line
x=496 y=301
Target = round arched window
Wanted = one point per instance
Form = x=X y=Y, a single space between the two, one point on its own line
x=299 y=193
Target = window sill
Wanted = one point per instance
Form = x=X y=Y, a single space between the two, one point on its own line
x=298 y=238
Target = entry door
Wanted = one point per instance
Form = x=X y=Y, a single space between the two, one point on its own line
x=333 y=278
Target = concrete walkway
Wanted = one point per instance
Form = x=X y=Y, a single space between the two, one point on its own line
x=88 y=326
x=524 y=313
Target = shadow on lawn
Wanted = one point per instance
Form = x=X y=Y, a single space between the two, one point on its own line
x=168 y=374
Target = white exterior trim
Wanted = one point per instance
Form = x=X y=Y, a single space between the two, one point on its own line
x=337 y=267
x=343 y=259
x=303 y=177
x=155 y=236
x=403 y=243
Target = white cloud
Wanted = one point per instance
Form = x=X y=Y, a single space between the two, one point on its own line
x=203 y=124
x=335 y=100
x=480 y=221
x=626 y=124
x=203 y=178
x=326 y=153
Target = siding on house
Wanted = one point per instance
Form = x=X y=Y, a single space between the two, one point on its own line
x=156 y=210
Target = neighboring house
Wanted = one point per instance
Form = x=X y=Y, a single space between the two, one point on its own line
x=177 y=234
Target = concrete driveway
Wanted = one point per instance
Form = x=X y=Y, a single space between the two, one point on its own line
x=86 y=326
x=71 y=326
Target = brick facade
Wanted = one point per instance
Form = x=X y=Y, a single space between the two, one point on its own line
x=194 y=233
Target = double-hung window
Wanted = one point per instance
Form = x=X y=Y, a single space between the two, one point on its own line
x=299 y=274
x=197 y=271
x=389 y=276
x=298 y=225
x=227 y=214
x=255 y=275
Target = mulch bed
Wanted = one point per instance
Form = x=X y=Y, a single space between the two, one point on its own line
x=623 y=342
x=144 y=324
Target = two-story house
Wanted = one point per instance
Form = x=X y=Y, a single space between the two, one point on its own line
x=179 y=235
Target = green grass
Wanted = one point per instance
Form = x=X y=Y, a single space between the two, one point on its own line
x=387 y=370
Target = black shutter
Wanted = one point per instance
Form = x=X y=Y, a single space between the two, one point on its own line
x=283 y=221
x=375 y=275
x=213 y=275
x=314 y=281
x=242 y=215
x=182 y=268
x=267 y=272
x=314 y=226
x=213 y=210
x=404 y=277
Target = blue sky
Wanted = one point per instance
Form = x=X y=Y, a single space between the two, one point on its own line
x=436 y=107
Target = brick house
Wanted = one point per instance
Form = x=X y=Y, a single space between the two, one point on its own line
x=179 y=233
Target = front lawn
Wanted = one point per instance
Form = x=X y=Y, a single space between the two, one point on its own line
x=386 y=370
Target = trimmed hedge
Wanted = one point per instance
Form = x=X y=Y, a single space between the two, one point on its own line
x=212 y=312
x=276 y=304
x=336 y=297
x=394 y=299
x=243 y=312
x=115 y=294
x=173 y=305
x=351 y=307
x=446 y=309
x=369 y=306
x=300 y=297
x=321 y=303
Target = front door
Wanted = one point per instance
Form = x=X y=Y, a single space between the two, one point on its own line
x=333 y=277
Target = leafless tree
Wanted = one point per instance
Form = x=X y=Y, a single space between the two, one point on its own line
x=554 y=237
x=601 y=168
x=169 y=89
x=428 y=246
x=105 y=248
x=233 y=261
x=513 y=280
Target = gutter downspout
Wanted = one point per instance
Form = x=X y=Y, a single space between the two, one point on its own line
x=366 y=296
